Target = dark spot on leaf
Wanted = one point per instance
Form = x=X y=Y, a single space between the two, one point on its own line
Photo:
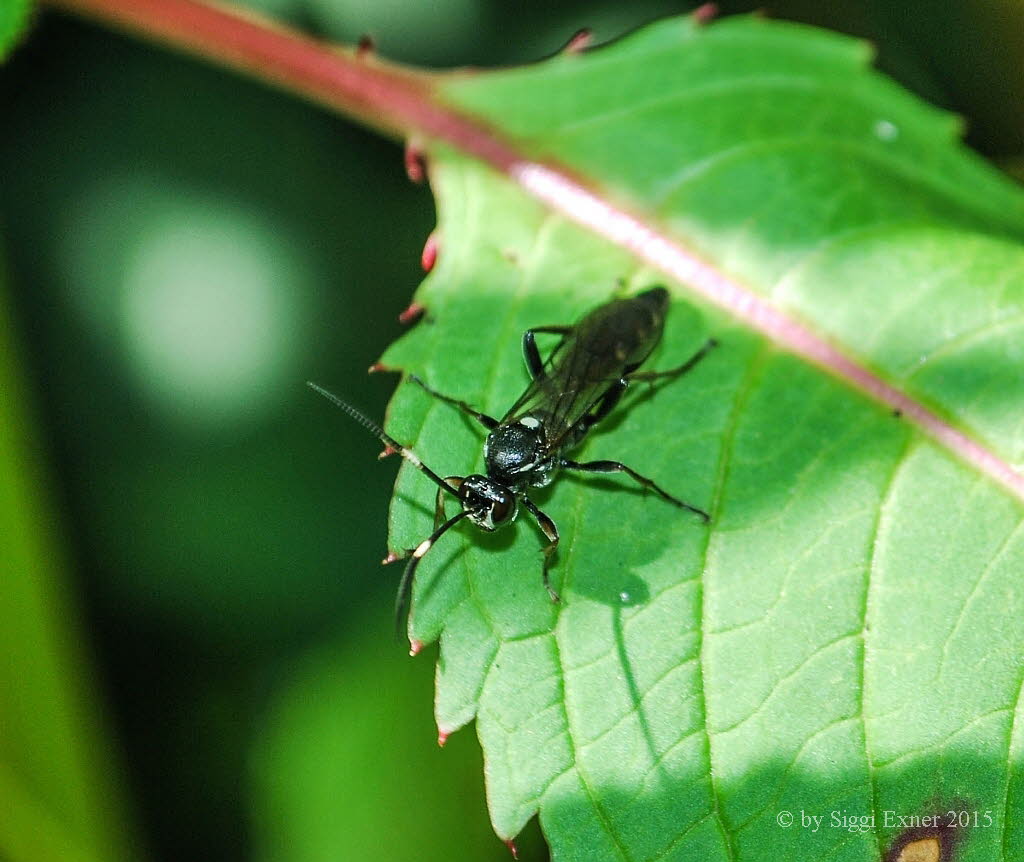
x=932 y=837
x=923 y=850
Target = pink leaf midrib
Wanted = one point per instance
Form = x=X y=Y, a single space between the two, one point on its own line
x=675 y=260
x=403 y=102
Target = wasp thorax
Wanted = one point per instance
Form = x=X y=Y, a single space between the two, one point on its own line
x=488 y=504
x=514 y=449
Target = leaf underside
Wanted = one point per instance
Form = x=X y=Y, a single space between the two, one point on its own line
x=846 y=635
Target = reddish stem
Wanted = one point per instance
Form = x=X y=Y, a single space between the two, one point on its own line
x=397 y=100
x=403 y=102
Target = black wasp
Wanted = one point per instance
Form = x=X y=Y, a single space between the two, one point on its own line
x=579 y=383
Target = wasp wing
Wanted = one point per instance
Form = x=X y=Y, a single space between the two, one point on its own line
x=574 y=379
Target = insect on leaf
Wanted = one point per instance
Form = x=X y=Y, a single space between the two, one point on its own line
x=846 y=636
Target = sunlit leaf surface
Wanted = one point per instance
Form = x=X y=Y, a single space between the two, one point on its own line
x=846 y=636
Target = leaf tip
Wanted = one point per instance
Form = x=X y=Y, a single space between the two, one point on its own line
x=705 y=13
x=415 y=161
x=429 y=255
x=579 y=41
x=415 y=647
x=411 y=314
x=957 y=125
x=511 y=844
x=864 y=52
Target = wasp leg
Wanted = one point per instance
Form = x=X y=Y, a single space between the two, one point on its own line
x=604 y=406
x=534 y=363
x=405 y=585
x=549 y=529
x=439 y=513
x=617 y=467
x=650 y=376
x=488 y=422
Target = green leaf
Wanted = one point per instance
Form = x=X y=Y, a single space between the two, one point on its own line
x=846 y=636
x=57 y=790
x=13 y=21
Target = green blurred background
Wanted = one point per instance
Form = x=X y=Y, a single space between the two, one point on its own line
x=200 y=659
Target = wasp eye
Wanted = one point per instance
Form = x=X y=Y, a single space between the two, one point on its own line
x=503 y=509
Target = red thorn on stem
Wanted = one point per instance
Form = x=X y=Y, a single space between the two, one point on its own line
x=415 y=647
x=511 y=844
x=430 y=248
x=442 y=737
x=707 y=12
x=579 y=42
x=373 y=369
x=366 y=46
x=415 y=162
x=413 y=313
x=388 y=450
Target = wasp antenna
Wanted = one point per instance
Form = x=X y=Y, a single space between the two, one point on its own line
x=405 y=585
x=383 y=436
x=358 y=415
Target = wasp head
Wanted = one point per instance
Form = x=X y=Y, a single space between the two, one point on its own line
x=487 y=503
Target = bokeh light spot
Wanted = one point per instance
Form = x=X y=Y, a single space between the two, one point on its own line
x=209 y=314
x=202 y=299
